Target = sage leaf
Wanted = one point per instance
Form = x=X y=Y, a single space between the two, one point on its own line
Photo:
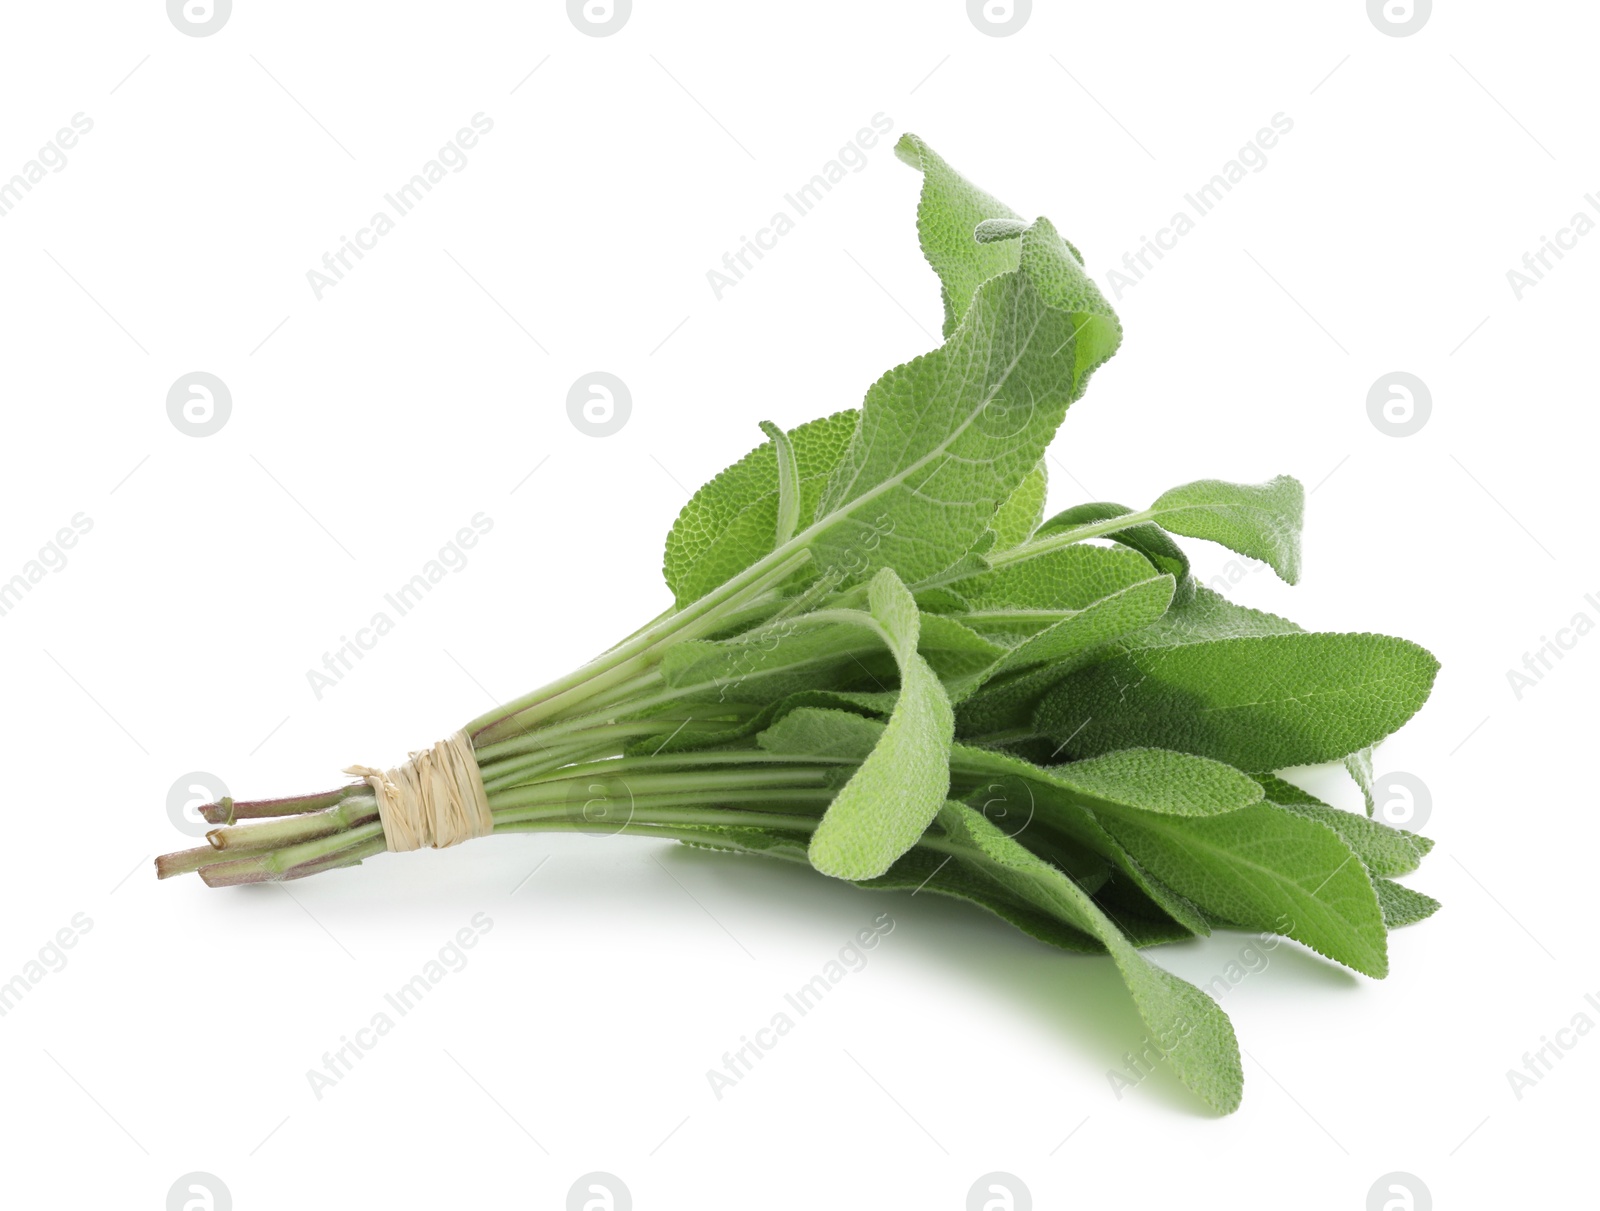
x=788 y=483
x=1264 y=867
x=1359 y=766
x=858 y=591
x=1260 y=703
x=1015 y=521
x=1403 y=905
x=1147 y=538
x=948 y=214
x=1007 y=700
x=1208 y=615
x=1188 y=1026
x=947 y=437
x=1259 y=521
x=899 y=787
x=1383 y=850
x=732 y=522
x=1080 y=632
x=1068 y=579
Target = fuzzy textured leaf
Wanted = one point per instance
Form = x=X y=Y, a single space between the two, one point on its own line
x=1267 y=868
x=1188 y=1026
x=901 y=784
x=948 y=214
x=1402 y=905
x=1016 y=520
x=1383 y=850
x=733 y=521
x=1259 y=521
x=946 y=438
x=1260 y=703
x=1147 y=538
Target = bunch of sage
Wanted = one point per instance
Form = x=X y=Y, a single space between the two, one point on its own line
x=883 y=661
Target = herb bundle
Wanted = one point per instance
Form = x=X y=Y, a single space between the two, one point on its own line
x=882 y=661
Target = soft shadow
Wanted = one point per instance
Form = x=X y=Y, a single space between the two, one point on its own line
x=1080 y=997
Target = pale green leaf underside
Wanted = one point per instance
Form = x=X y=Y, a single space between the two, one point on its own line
x=948 y=214
x=897 y=790
x=1259 y=521
x=789 y=502
x=1359 y=766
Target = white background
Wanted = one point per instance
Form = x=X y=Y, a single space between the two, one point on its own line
x=431 y=384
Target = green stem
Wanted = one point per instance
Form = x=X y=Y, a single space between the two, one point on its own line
x=624 y=699
x=353 y=856
x=563 y=799
x=281 y=860
x=290 y=830
x=227 y=810
x=534 y=744
x=257 y=869
x=683 y=818
x=632 y=656
x=1066 y=538
x=186 y=861
x=623 y=765
x=1040 y=618
x=514 y=771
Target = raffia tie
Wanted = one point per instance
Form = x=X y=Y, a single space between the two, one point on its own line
x=436 y=798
